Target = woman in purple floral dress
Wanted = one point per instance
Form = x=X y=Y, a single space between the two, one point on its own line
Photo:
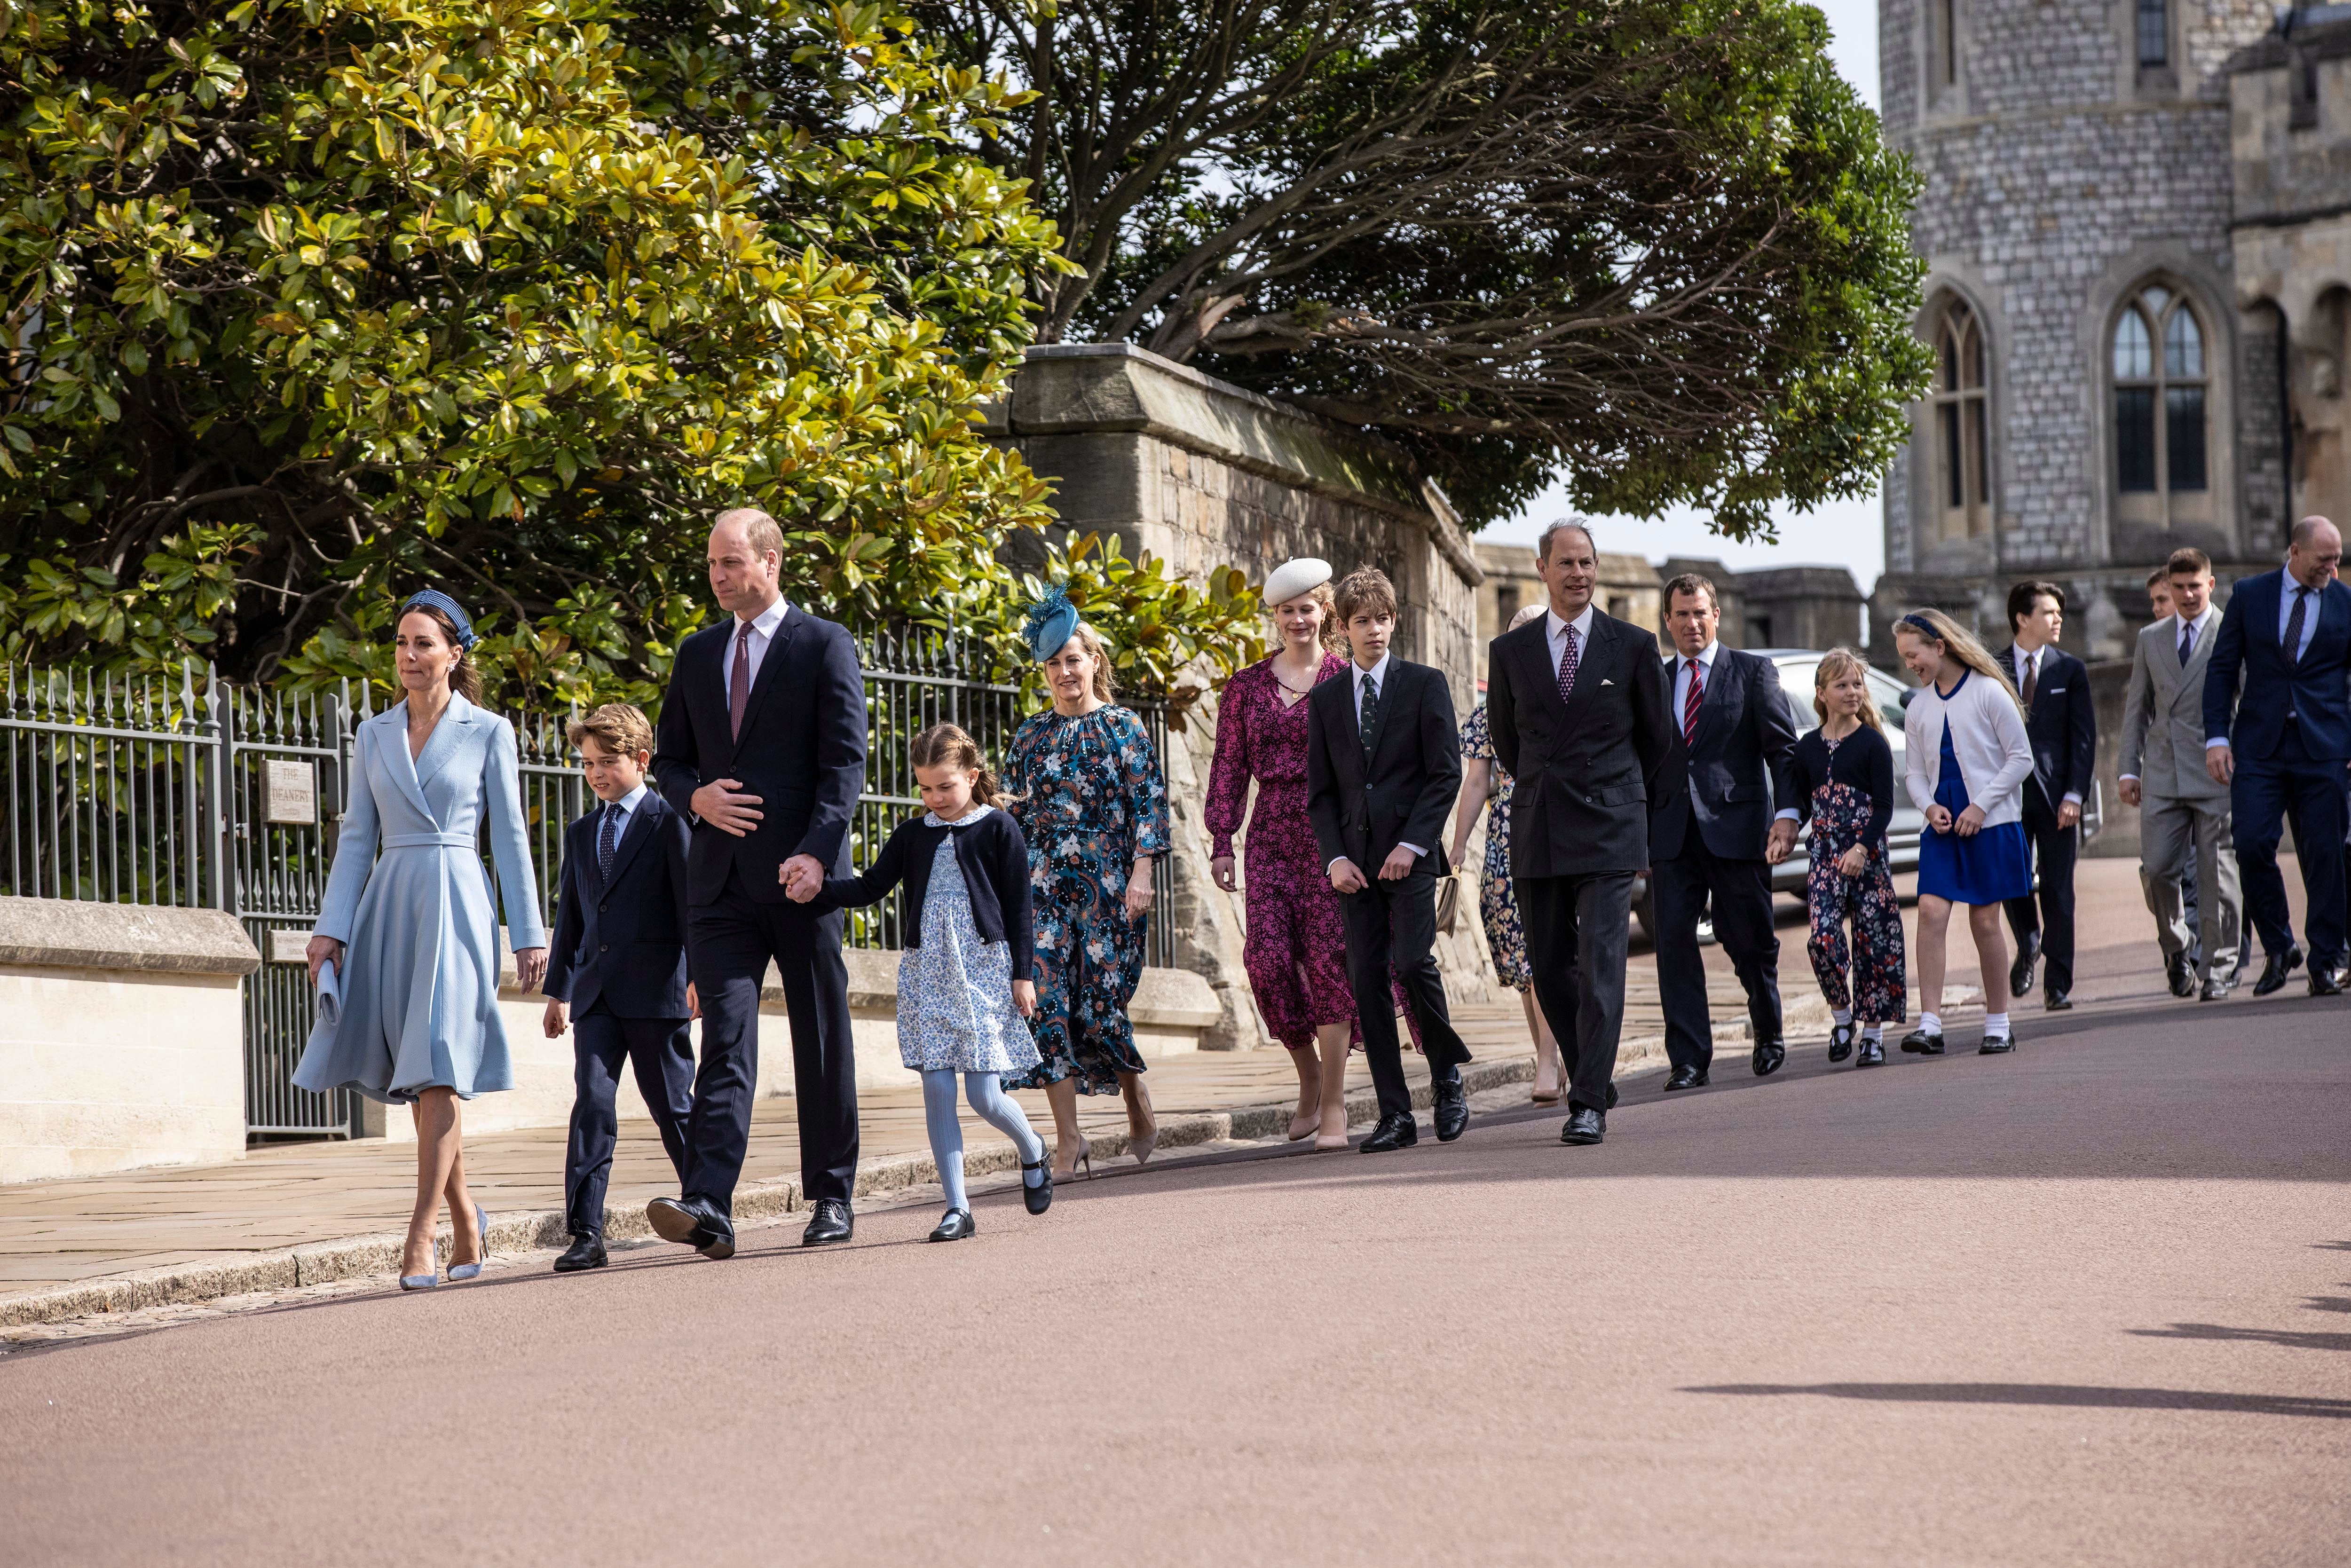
x=1091 y=801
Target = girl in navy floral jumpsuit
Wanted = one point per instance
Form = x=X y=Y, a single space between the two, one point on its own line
x=1845 y=770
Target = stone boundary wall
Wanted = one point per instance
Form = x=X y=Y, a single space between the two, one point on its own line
x=1203 y=474
x=122 y=1037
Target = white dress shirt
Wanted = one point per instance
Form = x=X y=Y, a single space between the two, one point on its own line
x=759 y=630
x=2172 y=639
x=1556 y=630
x=1705 y=660
x=1379 y=673
x=628 y=804
x=2032 y=660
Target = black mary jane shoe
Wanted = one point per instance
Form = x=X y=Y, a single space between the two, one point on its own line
x=1840 y=1042
x=1039 y=1198
x=1996 y=1045
x=954 y=1226
x=1873 y=1054
x=1919 y=1042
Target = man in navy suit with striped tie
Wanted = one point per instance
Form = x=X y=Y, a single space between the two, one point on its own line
x=2277 y=728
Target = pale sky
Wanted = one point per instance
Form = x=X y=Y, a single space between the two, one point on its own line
x=1850 y=534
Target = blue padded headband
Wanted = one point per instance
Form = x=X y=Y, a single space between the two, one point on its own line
x=433 y=599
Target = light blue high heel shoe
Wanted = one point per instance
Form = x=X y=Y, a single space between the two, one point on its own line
x=458 y=1271
x=427 y=1280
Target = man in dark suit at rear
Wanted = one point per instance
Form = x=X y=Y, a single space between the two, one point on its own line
x=1578 y=706
x=762 y=746
x=1712 y=833
x=2063 y=722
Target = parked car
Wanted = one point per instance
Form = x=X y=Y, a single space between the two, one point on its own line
x=1797 y=668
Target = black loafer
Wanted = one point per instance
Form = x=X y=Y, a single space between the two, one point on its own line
x=833 y=1223
x=956 y=1224
x=2059 y=1002
x=2281 y=964
x=2020 y=974
x=1392 y=1134
x=1840 y=1042
x=1452 y=1110
x=2177 y=976
x=1683 y=1078
x=585 y=1253
x=1768 y=1058
x=1585 y=1126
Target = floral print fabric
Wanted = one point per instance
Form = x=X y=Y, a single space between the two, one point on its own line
x=1092 y=798
x=1497 y=901
x=1840 y=815
x=955 y=992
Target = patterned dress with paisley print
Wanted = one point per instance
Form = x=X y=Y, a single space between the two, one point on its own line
x=1090 y=798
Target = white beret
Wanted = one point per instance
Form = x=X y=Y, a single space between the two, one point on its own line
x=1292 y=578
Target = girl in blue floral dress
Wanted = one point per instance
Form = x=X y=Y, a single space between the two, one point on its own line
x=1843 y=772
x=1087 y=793
x=964 y=985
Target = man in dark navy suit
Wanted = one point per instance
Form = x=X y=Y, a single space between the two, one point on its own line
x=1713 y=836
x=2277 y=729
x=2063 y=724
x=618 y=958
x=762 y=744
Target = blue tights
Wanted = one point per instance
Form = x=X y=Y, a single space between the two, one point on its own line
x=985 y=1091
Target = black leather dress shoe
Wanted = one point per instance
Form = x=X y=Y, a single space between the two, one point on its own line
x=697 y=1224
x=585 y=1253
x=2325 y=981
x=2177 y=976
x=1768 y=1058
x=1684 y=1077
x=2281 y=964
x=2059 y=1002
x=1919 y=1042
x=2020 y=974
x=957 y=1224
x=1586 y=1125
x=832 y=1223
x=1392 y=1133
x=2216 y=991
x=1996 y=1045
x=1452 y=1109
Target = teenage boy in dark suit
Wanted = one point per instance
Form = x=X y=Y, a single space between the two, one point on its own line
x=618 y=956
x=2063 y=722
x=1383 y=766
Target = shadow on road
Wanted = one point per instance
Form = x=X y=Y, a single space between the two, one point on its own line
x=2289 y=1338
x=2074 y=1395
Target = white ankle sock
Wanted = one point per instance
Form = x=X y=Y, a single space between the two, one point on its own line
x=1844 y=1016
x=1873 y=1032
x=1931 y=1023
x=1996 y=1023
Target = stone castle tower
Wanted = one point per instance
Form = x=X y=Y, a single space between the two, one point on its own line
x=2103 y=392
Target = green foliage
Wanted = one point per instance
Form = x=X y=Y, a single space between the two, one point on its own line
x=306 y=303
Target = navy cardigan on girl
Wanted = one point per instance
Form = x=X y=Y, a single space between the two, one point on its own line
x=991 y=853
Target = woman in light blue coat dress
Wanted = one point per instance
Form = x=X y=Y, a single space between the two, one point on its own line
x=409 y=1012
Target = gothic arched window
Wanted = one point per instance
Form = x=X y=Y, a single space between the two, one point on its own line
x=1962 y=415
x=2161 y=385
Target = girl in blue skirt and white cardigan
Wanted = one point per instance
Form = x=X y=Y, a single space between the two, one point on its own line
x=1967 y=756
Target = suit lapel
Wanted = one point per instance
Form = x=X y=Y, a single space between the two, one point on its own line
x=444 y=742
x=771 y=665
x=640 y=828
x=392 y=737
x=1589 y=675
x=1381 y=726
x=580 y=844
x=1714 y=703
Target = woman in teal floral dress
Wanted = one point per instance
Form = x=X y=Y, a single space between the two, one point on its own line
x=1089 y=797
x=1481 y=776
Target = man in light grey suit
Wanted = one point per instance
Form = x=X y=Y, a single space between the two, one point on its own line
x=2163 y=774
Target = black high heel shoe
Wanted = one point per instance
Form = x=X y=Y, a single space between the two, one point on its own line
x=1039 y=1198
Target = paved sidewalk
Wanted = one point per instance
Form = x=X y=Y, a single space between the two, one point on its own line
x=300 y=1214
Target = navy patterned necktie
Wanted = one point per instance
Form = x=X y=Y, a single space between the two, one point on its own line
x=1370 y=716
x=2294 y=624
x=608 y=840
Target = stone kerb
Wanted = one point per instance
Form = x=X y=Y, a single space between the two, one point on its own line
x=122 y=1037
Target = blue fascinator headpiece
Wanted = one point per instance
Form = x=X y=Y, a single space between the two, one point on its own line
x=1052 y=621
x=433 y=599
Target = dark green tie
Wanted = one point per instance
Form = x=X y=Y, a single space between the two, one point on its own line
x=1371 y=714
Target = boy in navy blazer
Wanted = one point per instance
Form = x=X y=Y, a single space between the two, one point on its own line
x=617 y=964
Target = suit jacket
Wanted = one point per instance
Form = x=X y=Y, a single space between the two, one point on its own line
x=802 y=752
x=623 y=940
x=1586 y=769
x=1362 y=810
x=2163 y=714
x=1724 y=778
x=2063 y=726
x=2316 y=689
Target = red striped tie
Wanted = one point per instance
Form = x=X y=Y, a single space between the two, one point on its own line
x=1689 y=704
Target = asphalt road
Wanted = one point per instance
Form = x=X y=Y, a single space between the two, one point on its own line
x=2090 y=1303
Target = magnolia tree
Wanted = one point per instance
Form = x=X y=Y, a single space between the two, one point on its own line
x=307 y=302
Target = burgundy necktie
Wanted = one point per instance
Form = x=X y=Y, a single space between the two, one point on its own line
x=1567 y=667
x=739 y=686
x=2030 y=664
x=1689 y=704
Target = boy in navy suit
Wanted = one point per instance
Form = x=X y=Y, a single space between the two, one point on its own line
x=619 y=957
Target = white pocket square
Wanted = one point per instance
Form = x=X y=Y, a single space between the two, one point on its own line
x=1606 y=682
